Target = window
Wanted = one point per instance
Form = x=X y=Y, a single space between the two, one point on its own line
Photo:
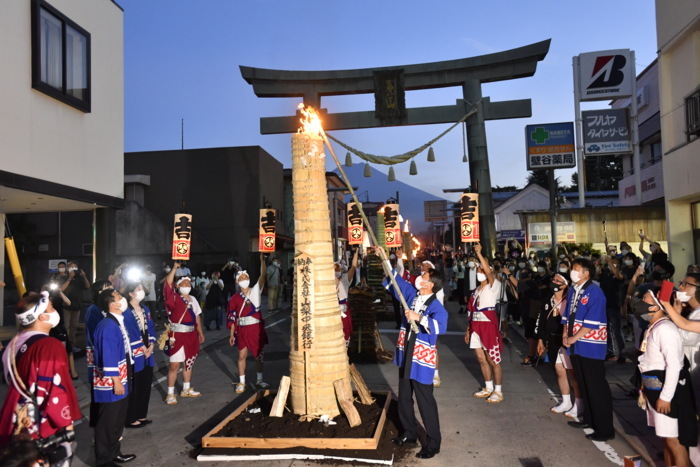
x=60 y=56
x=692 y=115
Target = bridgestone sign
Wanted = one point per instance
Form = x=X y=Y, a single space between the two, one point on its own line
x=605 y=75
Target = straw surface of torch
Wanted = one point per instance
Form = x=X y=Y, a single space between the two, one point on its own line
x=313 y=371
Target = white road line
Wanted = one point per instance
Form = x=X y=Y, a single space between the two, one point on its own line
x=603 y=447
x=277 y=322
x=163 y=378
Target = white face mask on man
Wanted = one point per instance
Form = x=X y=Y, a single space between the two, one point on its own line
x=244 y=283
x=575 y=276
x=480 y=276
x=682 y=296
x=54 y=319
x=185 y=290
x=123 y=304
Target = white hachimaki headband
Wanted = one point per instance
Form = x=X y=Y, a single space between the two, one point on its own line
x=566 y=282
x=432 y=266
x=29 y=316
x=240 y=273
x=179 y=281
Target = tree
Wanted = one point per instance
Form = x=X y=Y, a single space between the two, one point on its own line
x=501 y=189
x=541 y=177
x=602 y=173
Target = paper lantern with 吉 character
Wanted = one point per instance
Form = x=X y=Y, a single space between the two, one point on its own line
x=266 y=235
x=392 y=229
x=355 y=224
x=469 y=217
x=182 y=237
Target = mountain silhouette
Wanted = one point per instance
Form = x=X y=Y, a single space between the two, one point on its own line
x=378 y=188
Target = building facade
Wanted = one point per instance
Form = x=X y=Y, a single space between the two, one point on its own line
x=222 y=188
x=649 y=118
x=678 y=40
x=62 y=113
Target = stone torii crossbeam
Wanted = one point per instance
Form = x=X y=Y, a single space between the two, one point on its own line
x=389 y=84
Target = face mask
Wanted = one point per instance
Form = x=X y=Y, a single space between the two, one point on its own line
x=562 y=256
x=512 y=268
x=338 y=274
x=575 y=276
x=480 y=276
x=624 y=252
x=521 y=265
x=419 y=282
x=683 y=297
x=167 y=269
x=554 y=287
x=123 y=304
x=564 y=269
x=185 y=290
x=244 y=283
x=629 y=262
x=642 y=310
x=140 y=295
x=72 y=269
x=54 y=319
x=61 y=269
x=540 y=269
x=471 y=264
x=204 y=274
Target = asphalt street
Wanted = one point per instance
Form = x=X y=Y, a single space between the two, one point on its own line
x=519 y=431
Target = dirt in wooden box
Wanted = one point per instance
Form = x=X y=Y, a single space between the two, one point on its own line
x=385 y=450
x=261 y=425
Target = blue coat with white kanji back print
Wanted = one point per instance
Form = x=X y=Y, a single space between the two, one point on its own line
x=434 y=323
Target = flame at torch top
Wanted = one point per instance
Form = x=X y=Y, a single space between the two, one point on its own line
x=310 y=122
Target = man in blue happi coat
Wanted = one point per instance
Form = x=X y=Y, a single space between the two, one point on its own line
x=415 y=356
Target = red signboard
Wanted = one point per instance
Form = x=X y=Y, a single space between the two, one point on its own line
x=266 y=232
x=355 y=224
x=469 y=217
x=182 y=237
x=392 y=227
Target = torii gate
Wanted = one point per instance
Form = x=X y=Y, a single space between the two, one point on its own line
x=389 y=85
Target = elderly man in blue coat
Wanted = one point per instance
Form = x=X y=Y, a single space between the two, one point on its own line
x=415 y=356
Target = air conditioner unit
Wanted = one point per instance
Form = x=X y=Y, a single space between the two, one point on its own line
x=642 y=97
x=692 y=113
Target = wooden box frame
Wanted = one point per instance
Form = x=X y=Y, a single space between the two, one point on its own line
x=211 y=441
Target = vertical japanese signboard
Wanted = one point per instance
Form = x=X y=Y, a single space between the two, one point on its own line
x=182 y=237
x=469 y=217
x=304 y=281
x=550 y=146
x=392 y=229
x=355 y=224
x=266 y=235
x=606 y=132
